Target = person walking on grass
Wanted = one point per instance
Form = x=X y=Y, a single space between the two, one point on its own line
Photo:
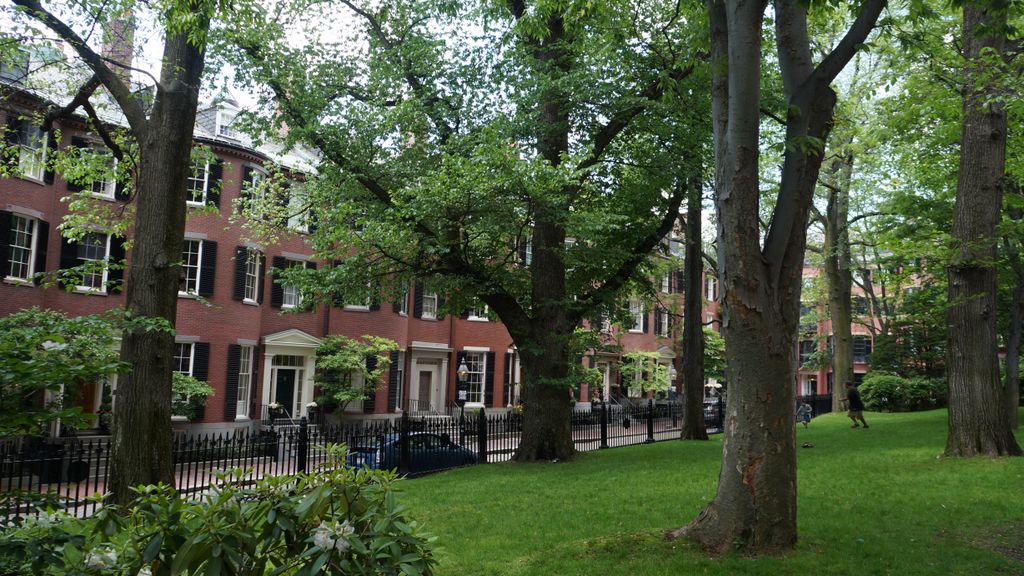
x=856 y=406
x=803 y=413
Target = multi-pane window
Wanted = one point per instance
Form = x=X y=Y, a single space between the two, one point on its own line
x=666 y=282
x=636 y=313
x=198 y=182
x=806 y=350
x=106 y=187
x=32 y=151
x=298 y=211
x=403 y=304
x=709 y=288
x=224 y=121
x=183 y=357
x=252 y=276
x=22 y=247
x=662 y=322
x=399 y=367
x=291 y=295
x=478 y=312
x=93 y=249
x=861 y=348
x=191 y=263
x=244 y=381
x=430 y=305
x=476 y=364
x=810 y=386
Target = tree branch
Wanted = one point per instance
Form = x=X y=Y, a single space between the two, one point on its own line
x=122 y=94
x=85 y=91
x=837 y=59
x=104 y=134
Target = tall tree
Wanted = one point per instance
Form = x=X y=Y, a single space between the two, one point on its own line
x=755 y=506
x=977 y=419
x=526 y=155
x=162 y=132
x=693 y=327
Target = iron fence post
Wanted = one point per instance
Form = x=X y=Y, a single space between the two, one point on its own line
x=650 y=420
x=403 y=443
x=604 y=424
x=303 y=445
x=481 y=436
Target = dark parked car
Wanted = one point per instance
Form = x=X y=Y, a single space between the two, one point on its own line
x=427 y=453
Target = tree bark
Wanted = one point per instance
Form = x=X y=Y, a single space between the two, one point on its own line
x=755 y=507
x=977 y=416
x=838 y=275
x=693 y=327
x=141 y=450
x=1011 y=385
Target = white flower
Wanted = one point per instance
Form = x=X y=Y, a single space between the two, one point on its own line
x=312 y=405
x=101 y=558
x=334 y=536
x=322 y=538
x=273 y=405
x=51 y=345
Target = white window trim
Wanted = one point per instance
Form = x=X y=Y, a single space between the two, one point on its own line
x=666 y=283
x=287 y=289
x=432 y=315
x=32 y=252
x=709 y=288
x=478 y=317
x=199 y=270
x=637 y=312
x=191 y=356
x=108 y=185
x=663 y=315
x=224 y=120
x=403 y=306
x=25 y=151
x=252 y=256
x=297 y=222
x=105 y=275
x=242 y=406
x=189 y=201
x=475 y=351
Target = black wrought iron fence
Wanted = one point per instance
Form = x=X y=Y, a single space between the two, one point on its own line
x=66 y=472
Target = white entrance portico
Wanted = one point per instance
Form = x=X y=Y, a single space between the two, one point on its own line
x=289 y=360
x=428 y=376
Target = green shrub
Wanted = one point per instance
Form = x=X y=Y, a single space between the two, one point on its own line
x=338 y=520
x=885 y=392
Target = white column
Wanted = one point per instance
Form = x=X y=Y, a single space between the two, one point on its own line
x=268 y=363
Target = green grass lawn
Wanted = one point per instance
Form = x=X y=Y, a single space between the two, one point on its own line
x=876 y=501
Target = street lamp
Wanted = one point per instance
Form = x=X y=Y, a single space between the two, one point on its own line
x=672 y=373
x=461 y=394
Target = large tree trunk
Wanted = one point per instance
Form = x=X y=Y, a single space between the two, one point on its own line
x=693 y=327
x=977 y=416
x=838 y=275
x=755 y=507
x=547 y=404
x=141 y=450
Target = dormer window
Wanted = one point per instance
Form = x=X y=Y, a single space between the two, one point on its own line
x=224 y=122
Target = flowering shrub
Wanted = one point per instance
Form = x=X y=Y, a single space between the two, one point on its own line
x=338 y=520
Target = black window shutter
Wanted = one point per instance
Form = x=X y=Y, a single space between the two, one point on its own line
x=231 y=390
x=310 y=265
x=213 y=182
x=489 y=380
x=276 y=290
x=241 y=264
x=393 y=384
x=645 y=326
x=657 y=320
x=121 y=191
x=396 y=306
x=417 y=302
x=51 y=149
x=260 y=277
x=508 y=377
x=207 y=268
x=201 y=370
x=440 y=306
x=369 y=404
x=6 y=223
x=68 y=253
x=254 y=383
x=42 y=239
x=680 y=280
x=78 y=143
x=115 y=277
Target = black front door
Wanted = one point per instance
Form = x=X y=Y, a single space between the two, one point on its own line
x=284 y=390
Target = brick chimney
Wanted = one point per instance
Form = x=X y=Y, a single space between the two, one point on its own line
x=118 y=45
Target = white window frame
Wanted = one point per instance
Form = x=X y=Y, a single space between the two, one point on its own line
x=666 y=283
x=709 y=288
x=297 y=197
x=478 y=313
x=185 y=267
x=399 y=366
x=245 y=366
x=224 y=121
x=403 y=305
x=663 y=317
x=476 y=378
x=431 y=312
x=102 y=289
x=252 y=276
x=193 y=181
x=291 y=296
x=107 y=186
x=178 y=357
x=32 y=158
x=809 y=385
x=32 y=233
x=636 y=312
